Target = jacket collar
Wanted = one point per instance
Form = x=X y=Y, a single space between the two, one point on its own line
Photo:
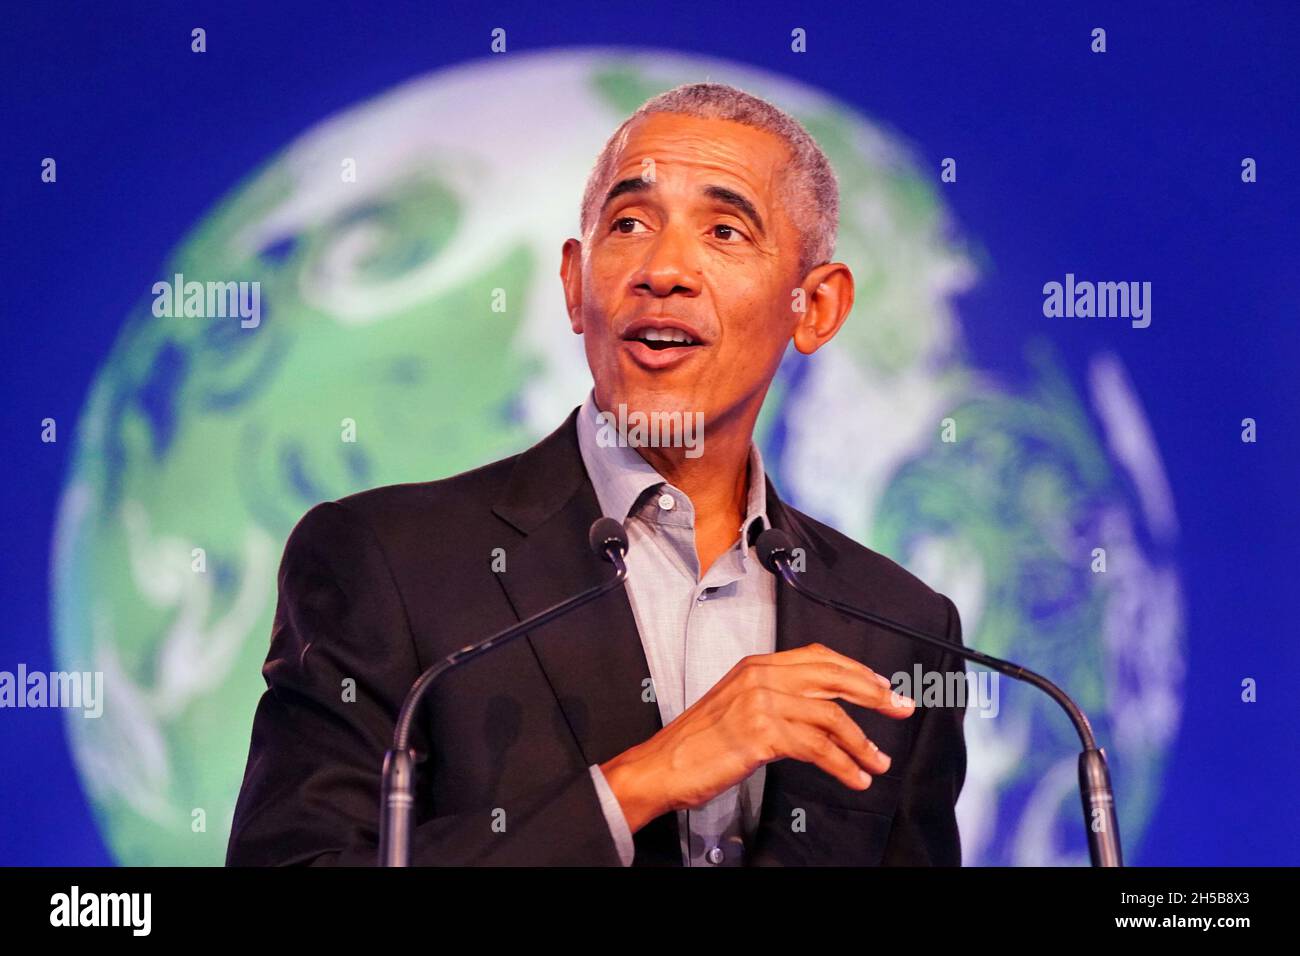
x=548 y=477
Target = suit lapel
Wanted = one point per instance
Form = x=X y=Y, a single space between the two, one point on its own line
x=593 y=657
x=790 y=783
x=799 y=621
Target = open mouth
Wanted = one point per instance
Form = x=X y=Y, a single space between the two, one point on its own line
x=661 y=339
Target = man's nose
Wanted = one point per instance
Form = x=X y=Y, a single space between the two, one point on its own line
x=671 y=264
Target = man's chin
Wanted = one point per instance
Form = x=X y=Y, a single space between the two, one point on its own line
x=659 y=397
x=657 y=417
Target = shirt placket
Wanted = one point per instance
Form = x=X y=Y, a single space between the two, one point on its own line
x=709 y=653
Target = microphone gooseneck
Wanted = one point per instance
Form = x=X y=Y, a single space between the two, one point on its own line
x=607 y=539
x=775 y=548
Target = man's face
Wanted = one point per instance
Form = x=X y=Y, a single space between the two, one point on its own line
x=705 y=249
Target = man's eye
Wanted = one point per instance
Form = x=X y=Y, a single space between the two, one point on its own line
x=729 y=230
x=618 y=223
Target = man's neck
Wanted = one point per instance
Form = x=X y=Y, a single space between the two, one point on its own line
x=716 y=480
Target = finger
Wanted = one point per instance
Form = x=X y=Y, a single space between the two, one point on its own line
x=825 y=679
x=831 y=719
x=815 y=653
x=807 y=653
x=866 y=690
x=803 y=741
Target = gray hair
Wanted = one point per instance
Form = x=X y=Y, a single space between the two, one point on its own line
x=809 y=189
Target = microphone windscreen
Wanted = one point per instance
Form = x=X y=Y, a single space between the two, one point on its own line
x=603 y=533
x=771 y=542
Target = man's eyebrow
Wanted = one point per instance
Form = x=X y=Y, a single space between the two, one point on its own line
x=720 y=194
x=742 y=205
x=635 y=184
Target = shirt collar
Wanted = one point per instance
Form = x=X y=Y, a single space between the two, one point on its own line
x=621 y=476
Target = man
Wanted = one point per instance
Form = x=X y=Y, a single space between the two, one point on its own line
x=703 y=715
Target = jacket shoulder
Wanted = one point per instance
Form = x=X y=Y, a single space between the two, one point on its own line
x=880 y=584
x=389 y=508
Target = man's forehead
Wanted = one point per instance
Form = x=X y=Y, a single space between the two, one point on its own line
x=752 y=154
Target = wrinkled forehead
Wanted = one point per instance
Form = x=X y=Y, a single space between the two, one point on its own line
x=716 y=151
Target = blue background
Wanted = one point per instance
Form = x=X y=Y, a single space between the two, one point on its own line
x=1124 y=166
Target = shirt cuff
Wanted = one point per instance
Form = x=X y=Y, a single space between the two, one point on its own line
x=618 y=827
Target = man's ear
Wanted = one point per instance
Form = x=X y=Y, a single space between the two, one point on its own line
x=571 y=277
x=827 y=298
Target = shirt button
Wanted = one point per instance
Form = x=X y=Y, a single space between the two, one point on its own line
x=666 y=501
x=715 y=855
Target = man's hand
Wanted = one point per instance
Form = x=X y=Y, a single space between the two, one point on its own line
x=767 y=707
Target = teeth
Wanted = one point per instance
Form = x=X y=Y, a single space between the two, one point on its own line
x=667 y=335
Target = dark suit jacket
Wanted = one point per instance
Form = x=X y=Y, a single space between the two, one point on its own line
x=375 y=587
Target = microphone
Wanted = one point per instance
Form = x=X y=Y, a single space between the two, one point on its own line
x=397 y=791
x=1099 y=820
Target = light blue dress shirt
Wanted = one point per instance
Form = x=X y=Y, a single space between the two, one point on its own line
x=693 y=629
